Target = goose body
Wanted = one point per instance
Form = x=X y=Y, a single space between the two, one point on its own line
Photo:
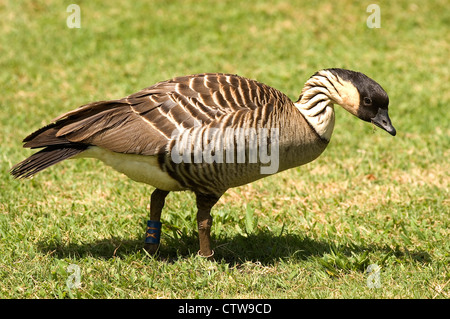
x=206 y=133
x=143 y=169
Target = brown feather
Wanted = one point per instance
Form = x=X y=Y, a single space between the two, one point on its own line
x=47 y=157
x=144 y=122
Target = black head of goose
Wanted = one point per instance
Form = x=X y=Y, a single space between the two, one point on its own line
x=206 y=133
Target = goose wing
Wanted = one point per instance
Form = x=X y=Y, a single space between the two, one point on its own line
x=144 y=122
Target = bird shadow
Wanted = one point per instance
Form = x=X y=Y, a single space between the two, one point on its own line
x=263 y=247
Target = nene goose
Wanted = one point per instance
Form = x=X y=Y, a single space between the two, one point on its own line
x=183 y=134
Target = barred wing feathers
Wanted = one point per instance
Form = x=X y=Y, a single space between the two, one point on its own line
x=143 y=122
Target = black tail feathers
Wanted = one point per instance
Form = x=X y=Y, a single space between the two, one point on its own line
x=47 y=157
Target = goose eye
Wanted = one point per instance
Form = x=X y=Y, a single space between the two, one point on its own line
x=367 y=100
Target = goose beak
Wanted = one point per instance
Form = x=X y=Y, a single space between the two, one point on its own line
x=383 y=121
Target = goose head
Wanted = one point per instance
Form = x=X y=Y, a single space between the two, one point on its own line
x=355 y=92
x=361 y=96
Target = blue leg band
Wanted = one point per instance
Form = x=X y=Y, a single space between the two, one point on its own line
x=153 y=232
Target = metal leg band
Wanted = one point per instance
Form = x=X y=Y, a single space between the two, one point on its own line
x=209 y=256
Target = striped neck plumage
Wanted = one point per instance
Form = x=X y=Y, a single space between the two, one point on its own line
x=316 y=103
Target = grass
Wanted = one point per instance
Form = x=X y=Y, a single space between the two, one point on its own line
x=310 y=232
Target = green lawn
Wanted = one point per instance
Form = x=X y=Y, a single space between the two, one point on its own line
x=309 y=232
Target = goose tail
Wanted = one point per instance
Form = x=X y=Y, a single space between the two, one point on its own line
x=46 y=157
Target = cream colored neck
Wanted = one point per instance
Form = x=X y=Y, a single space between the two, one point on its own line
x=317 y=108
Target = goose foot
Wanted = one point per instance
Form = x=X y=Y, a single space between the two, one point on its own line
x=153 y=233
x=204 y=222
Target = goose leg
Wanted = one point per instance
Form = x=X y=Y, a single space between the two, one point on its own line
x=154 y=225
x=204 y=222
